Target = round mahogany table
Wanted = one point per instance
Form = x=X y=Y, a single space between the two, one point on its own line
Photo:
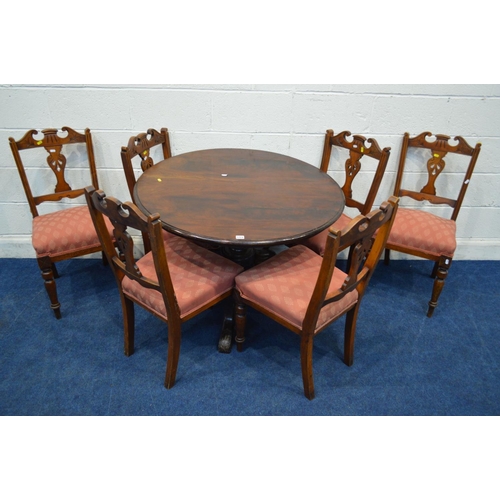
x=241 y=200
x=240 y=197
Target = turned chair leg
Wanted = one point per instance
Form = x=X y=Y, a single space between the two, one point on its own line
x=441 y=272
x=350 y=334
x=306 y=352
x=47 y=269
x=240 y=315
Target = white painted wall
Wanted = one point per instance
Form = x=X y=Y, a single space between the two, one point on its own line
x=288 y=119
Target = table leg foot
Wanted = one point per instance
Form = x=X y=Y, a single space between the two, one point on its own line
x=226 y=337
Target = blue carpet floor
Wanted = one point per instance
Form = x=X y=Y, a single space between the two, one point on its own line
x=405 y=363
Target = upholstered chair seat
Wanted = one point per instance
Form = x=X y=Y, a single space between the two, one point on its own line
x=419 y=230
x=198 y=275
x=64 y=231
x=284 y=286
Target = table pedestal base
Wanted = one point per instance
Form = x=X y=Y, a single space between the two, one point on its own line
x=246 y=257
x=226 y=337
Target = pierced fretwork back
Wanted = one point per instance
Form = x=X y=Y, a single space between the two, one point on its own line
x=366 y=235
x=53 y=142
x=358 y=147
x=438 y=150
x=140 y=145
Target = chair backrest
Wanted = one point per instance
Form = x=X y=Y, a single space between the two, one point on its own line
x=357 y=148
x=122 y=258
x=366 y=236
x=53 y=140
x=437 y=149
x=140 y=145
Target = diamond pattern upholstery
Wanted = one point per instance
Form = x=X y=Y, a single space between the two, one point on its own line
x=419 y=230
x=63 y=231
x=284 y=285
x=198 y=276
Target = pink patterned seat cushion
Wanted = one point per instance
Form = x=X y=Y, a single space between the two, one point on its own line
x=284 y=285
x=198 y=276
x=318 y=242
x=419 y=230
x=64 y=231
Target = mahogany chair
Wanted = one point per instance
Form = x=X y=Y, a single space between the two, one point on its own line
x=306 y=292
x=67 y=232
x=140 y=146
x=423 y=233
x=175 y=281
x=358 y=149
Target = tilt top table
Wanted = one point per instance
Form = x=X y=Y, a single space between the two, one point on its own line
x=240 y=197
x=242 y=200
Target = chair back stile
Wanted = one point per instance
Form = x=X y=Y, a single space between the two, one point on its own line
x=53 y=143
x=439 y=148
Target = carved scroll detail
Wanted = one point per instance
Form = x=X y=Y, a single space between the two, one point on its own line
x=142 y=143
x=358 y=147
x=118 y=215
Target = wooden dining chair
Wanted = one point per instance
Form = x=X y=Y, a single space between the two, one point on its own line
x=306 y=292
x=67 y=232
x=358 y=149
x=138 y=150
x=140 y=146
x=175 y=281
x=421 y=232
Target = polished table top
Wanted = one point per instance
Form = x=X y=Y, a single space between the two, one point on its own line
x=240 y=197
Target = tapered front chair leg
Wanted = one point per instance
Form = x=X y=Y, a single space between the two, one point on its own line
x=174 y=349
x=128 y=325
x=306 y=352
x=350 y=334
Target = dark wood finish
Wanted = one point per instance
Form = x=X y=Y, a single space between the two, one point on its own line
x=217 y=196
x=53 y=141
x=366 y=237
x=240 y=197
x=438 y=149
x=358 y=147
x=123 y=262
x=140 y=146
